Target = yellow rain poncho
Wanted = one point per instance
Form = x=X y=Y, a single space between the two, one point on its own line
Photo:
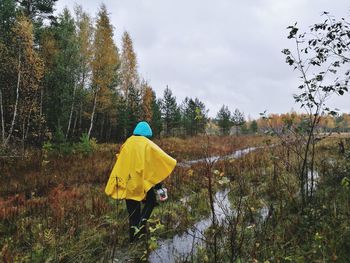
x=140 y=165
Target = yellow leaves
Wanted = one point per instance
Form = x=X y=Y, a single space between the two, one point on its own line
x=190 y=172
x=106 y=58
x=128 y=67
x=147 y=99
x=218 y=173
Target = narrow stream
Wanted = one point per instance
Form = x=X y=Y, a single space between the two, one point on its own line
x=183 y=247
x=235 y=155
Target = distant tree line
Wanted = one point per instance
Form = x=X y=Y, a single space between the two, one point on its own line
x=280 y=122
x=63 y=76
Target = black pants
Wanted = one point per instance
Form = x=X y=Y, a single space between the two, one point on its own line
x=138 y=217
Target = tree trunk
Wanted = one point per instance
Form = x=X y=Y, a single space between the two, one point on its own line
x=71 y=111
x=80 y=117
x=102 y=124
x=2 y=119
x=93 y=114
x=75 y=123
x=28 y=126
x=304 y=172
x=16 y=103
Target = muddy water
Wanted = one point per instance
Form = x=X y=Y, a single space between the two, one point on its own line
x=183 y=247
x=235 y=155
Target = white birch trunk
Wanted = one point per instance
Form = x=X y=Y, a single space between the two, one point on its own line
x=16 y=103
x=71 y=111
x=93 y=115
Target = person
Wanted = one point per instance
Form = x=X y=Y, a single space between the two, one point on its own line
x=140 y=168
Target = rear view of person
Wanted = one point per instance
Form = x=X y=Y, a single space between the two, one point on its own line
x=140 y=168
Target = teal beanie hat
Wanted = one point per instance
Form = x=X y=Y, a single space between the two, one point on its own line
x=143 y=129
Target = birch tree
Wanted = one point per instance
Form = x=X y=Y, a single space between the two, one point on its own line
x=29 y=72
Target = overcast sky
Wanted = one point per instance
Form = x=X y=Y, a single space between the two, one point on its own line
x=223 y=52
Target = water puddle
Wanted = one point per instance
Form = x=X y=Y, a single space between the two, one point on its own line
x=235 y=155
x=182 y=247
x=312 y=180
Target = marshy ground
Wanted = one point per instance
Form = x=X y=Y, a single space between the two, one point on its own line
x=53 y=207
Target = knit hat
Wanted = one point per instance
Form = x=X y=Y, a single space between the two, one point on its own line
x=143 y=129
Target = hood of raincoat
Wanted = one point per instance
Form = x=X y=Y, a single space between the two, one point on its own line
x=143 y=129
x=140 y=165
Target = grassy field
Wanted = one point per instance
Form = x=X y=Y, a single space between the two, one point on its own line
x=53 y=207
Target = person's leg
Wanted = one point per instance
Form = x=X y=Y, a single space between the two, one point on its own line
x=134 y=210
x=150 y=203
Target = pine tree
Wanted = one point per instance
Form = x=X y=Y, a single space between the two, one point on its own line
x=224 y=119
x=156 y=122
x=121 y=119
x=7 y=19
x=170 y=112
x=37 y=9
x=7 y=60
x=134 y=109
x=61 y=55
x=238 y=119
x=253 y=126
x=194 y=116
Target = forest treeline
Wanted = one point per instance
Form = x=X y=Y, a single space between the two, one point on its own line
x=63 y=76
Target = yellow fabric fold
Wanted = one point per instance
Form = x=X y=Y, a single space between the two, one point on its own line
x=140 y=165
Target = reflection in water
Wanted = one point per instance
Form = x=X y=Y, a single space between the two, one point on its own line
x=183 y=247
x=312 y=180
x=235 y=155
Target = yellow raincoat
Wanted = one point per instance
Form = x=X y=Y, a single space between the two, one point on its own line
x=140 y=165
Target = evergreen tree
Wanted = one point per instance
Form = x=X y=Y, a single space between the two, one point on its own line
x=7 y=61
x=156 y=122
x=194 y=116
x=61 y=74
x=238 y=119
x=170 y=112
x=224 y=120
x=37 y=9
x=253 y=126
x=7 y=20
x=134 y=109
x=121 y=119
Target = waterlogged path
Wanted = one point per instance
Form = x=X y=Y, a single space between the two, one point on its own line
x=234 y=155
x=183 y=247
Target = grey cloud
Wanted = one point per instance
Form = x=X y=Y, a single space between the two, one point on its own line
x=223 y=52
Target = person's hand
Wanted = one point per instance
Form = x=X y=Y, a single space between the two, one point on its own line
x=162 y=194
